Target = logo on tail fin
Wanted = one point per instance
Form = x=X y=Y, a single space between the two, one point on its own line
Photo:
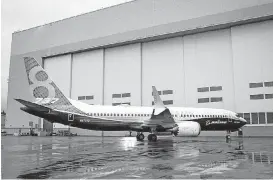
x=44 y=90
x=41 y=86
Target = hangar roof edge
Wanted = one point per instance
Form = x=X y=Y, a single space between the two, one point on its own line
x=89 y=32
x=71 y=17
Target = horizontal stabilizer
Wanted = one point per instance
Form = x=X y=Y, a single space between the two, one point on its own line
x=33 y=106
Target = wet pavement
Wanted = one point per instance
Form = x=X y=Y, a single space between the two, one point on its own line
x=124 y=157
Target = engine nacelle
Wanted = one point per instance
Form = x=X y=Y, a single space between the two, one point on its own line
x=188 y=128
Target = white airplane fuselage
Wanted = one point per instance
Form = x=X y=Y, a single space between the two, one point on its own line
x=123 y=118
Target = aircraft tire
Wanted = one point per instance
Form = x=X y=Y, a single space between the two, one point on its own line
x=140 y=137
x=152 y=137
x=149 y=137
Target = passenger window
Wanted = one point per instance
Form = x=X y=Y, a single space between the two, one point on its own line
x=117 y=114
x=91 y=114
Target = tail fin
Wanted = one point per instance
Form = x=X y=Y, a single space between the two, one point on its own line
x=42 y=88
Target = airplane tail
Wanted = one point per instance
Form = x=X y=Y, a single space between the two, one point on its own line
x=42 y=88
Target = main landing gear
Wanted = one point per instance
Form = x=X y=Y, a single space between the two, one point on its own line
x=140 y=136
x=152 y=137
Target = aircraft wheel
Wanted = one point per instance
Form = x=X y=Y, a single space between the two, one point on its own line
x=152 y=137
x=140 y=137
x=149 y=137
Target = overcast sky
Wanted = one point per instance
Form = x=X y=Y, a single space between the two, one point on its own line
x=24 y=14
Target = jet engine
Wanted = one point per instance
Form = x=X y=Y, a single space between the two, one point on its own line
x=187 y=128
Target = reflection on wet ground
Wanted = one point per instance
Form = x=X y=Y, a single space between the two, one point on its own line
x=124 y=157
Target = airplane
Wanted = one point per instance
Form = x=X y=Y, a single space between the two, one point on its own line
x=51 y=104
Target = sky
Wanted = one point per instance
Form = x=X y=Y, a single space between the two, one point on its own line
x=24 y=14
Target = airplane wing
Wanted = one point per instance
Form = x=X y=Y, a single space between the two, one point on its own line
x=161 y=116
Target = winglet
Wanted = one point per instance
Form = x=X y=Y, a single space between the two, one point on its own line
x=158 y=103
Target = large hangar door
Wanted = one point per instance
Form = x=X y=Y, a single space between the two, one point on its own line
x=59 y=70
x=123 y=75
x=87 y=77
x=209 y=70
x=162 y=66
x=252 y=46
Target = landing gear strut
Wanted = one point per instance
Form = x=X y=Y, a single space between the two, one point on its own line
x=228 y=136
x=140 y=136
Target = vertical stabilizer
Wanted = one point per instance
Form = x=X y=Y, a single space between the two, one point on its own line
x=44 y=90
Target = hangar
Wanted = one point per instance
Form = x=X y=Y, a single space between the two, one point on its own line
x=215 y=54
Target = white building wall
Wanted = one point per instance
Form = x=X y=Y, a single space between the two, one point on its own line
x=59 y=70
x=87 y=80
x=208 y=62
x=87 y=76
x=123 y=74
x=162 y=63
x=253 y=62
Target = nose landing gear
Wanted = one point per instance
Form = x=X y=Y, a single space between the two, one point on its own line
x=228 y=136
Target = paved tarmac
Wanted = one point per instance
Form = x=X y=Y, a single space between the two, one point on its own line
x=124 y=157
